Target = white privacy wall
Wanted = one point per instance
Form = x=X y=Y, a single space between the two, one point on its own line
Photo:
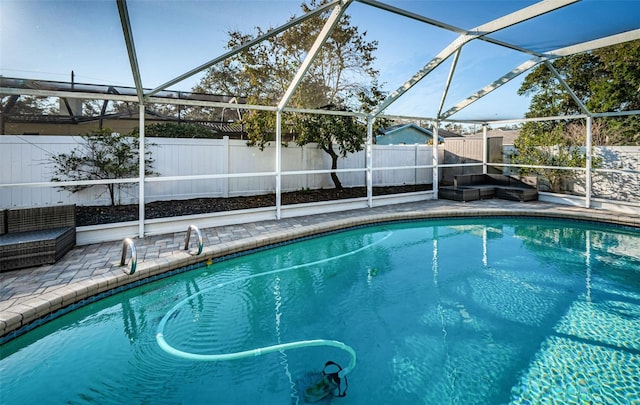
x=26 y=159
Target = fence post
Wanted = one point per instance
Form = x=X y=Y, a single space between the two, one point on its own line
x=369 y=161
x=304 y=155
x=226 y=150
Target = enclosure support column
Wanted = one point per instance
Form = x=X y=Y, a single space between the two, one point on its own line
x=278 y=161
x=369 y=161
x=141 y=172
x=485 y=148
x=434 y=159
x=135 y=71
x=588 y=163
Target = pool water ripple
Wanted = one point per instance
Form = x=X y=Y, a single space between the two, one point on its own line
x=457 y=311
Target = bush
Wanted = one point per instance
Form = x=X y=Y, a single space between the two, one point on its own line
x=172 y=130
x=102 y=155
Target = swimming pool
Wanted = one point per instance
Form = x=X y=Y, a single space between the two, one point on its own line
x=456 y=311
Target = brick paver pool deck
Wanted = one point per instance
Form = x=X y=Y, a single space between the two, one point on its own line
x=28 y=295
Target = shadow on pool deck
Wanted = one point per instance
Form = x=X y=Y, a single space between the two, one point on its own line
x=30 y=294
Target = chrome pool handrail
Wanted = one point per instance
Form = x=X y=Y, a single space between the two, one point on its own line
x=188 y=236
x=128 y=242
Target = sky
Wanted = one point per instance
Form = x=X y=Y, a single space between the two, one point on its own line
x=47 y=39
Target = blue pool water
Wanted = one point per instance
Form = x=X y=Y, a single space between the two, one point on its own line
x=475 y=311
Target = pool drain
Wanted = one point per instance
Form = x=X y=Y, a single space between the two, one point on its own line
x=332 y=382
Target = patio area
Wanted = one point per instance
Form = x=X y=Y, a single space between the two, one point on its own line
x=30 y=296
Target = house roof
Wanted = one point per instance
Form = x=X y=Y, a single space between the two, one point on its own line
x=60 y=86
x=442 y=133
x=507 y=135
x=400 y=128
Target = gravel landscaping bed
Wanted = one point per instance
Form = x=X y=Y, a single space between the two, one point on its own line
x=95 y=215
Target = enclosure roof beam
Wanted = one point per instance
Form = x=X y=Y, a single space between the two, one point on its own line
x=325 y=112
x=243 y=47
x=564 y=84
x=491 y=87
x=322 y=37
x=122 y=97
x=72 y=114
x=68 y=94
x=566 y=51
x=508 y=20
x=413 y=16
x=10 y=104
x=603 y=42
x=131 y=49
x=440 y=24
x=449 y=79
x=202 y=103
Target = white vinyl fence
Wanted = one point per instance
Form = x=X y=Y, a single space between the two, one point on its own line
x=616 y=177
x=26 y=159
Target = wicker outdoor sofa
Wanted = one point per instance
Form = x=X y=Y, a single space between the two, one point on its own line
x=470 y=187
x=36 y=236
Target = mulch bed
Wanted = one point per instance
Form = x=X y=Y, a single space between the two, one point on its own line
x=96 y=215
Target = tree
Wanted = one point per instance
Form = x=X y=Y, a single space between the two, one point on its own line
x=605 y=80
x=341 y=78
x=330 y=130
x=549 y=148
x=173 y=130
x=102 y=155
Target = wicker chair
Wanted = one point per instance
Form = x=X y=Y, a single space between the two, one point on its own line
x=500 y=186
x=3 y=222
x=36 y=236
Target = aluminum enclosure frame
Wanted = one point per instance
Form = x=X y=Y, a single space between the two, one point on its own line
x=337 y=9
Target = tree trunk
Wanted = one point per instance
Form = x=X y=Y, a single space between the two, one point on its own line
x=334 y=166
x=112 y=195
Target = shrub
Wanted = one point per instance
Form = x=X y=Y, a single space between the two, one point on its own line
x=102 y=155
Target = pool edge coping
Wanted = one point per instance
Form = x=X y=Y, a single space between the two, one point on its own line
x=42 y=305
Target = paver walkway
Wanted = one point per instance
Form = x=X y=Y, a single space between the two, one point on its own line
x=30 y=294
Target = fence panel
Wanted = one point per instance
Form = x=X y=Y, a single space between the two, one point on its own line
x=623 y=186
x=185 y=157
x=26 y=159
x=402 y=155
